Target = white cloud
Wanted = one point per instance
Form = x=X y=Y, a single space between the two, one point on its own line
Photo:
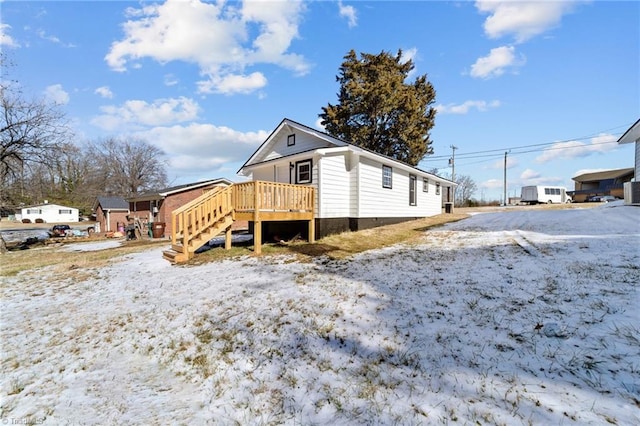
x=348 y=12
x=529 y=174
x=499 y=164
x=136 y=113
x=495 y=64
x=56 y=94
x=492 y=184
x=231 y=84
x=53 y=39
x=222 y=39
x=203 y=148
x=104 y=91
x=6 y=39
x=170 y=80
x=465 y=107
x=523 y=19
x=575 y=149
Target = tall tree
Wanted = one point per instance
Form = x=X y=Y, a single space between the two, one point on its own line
x=129 y=166
x=379 y=110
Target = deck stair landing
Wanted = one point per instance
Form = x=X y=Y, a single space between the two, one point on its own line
x=196 y=223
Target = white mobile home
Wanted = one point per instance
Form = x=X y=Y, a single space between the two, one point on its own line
x=49 y=213
x=541 y=194
x=355 y=188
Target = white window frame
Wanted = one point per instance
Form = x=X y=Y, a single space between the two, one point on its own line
x=300 y=165
x=413 y=190
x=389 y=178
x=425 y=184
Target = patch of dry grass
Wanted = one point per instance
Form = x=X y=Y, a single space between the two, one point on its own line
x=340 y=246
x=67 y=263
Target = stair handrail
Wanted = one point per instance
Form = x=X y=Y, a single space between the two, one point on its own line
x=191 y=219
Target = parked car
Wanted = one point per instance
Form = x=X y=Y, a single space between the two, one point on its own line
x=593 y=198
x=59 y=230
x=608 y=199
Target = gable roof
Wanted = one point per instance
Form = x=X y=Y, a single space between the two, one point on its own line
x=289 y=125
x=155 y=195
x=111 y=203
x=604 y=175
x=331 y=140
x=632 y=134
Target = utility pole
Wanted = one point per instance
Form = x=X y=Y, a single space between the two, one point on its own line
x=452 y=161
x=505 y=180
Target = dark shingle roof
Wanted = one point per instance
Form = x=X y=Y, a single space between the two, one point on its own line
x=113 y=203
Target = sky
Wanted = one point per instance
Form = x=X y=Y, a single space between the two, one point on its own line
x=552 y=84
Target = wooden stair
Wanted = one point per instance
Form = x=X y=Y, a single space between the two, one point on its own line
x=197 y=222
x=206 y=217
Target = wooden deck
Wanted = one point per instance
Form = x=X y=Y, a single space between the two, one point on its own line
x=212 y=213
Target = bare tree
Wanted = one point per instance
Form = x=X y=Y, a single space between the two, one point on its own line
x=465 y=190
x=30 y=132
x=129 y=166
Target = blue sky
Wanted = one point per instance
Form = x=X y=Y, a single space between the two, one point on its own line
x=553 y=83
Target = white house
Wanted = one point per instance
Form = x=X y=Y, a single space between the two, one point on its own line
x=632 y=189
x=49 y=213
x=355 y=188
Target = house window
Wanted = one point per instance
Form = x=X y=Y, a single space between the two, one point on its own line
x=386 y=176
x=64 y=211
x=412 y=190
x=437 y=189
x=291 y=140
x=34 y=211
x=425 y=185
x=303 y=171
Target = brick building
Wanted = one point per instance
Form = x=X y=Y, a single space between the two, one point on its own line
x=111 y=212
x=157 y=206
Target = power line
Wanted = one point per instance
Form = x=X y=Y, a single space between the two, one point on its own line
x=501 y=150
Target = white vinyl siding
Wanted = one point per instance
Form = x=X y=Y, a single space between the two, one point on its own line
x=380 y=202
x=335 y=187
x=304 y=142
x=637 y=172
x=51 y=213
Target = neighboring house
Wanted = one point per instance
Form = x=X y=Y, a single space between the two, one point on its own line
x=49 y=213
x=110 y=212
x=608 y=182
x=355 y=188
x=632 y=189
x=157 y=206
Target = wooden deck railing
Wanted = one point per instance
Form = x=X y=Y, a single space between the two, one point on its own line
x=254 y=201
x=195 y=217
x=272 y=196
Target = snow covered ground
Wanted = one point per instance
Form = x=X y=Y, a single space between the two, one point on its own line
x=520 y=317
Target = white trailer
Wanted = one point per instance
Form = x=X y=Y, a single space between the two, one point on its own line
x=536 y=194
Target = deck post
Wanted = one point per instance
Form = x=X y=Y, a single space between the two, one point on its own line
x=227 y=238
x=257 y=223
x=312 y=231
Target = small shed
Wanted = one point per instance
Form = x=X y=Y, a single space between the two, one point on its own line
x=111 y=211
x=49 y=213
